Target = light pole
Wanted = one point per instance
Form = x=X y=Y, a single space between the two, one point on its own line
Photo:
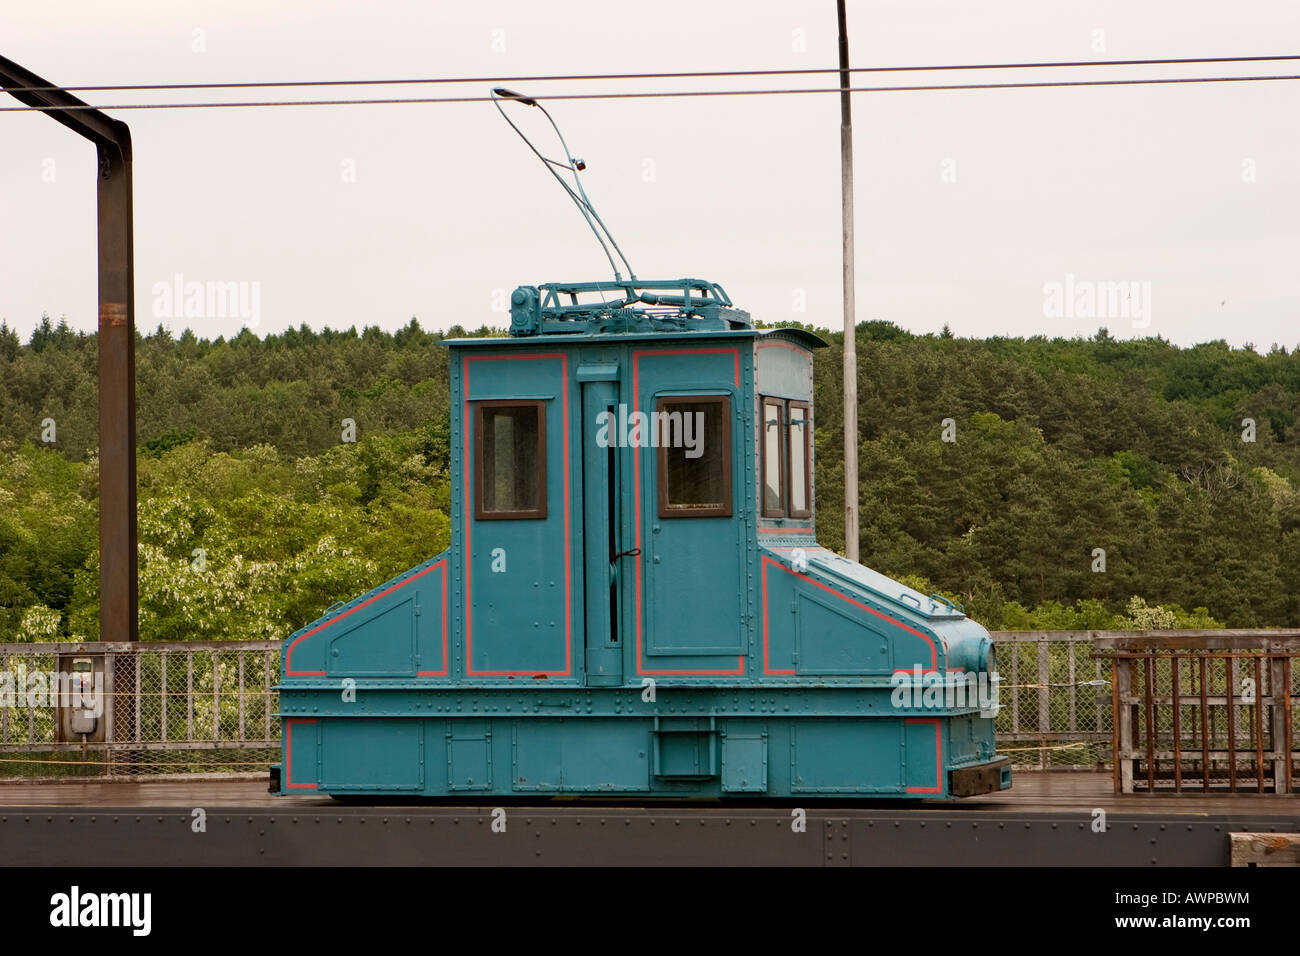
x=850 y=344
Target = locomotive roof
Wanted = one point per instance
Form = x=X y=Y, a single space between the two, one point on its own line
x=799 y=336
x=636 y=309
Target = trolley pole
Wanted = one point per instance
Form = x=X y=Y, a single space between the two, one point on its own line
x=850 y=344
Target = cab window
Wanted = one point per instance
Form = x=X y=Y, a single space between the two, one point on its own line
x=799 y=435
x=785 y=456
x=510 y=459
x=694 y=438
x=773 y=438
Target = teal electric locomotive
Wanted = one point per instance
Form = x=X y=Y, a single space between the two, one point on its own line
x=634 y=600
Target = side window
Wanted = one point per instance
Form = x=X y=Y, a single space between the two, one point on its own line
x=509 y=459
x=773 y=459
x=694 y=438
x=786 y=458
x=800 y=425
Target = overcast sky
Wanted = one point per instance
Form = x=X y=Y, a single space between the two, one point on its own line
x=970 y=205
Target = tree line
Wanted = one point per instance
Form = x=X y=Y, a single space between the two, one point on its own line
x=1042 y=483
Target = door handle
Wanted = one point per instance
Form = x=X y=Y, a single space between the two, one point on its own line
x=631 y=553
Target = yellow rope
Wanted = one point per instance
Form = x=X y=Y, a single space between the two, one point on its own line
x=1081 y=743
x=127 y=763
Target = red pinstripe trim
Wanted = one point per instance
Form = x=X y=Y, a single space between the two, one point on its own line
x=636 y=469
x=568 y=558
x=288 y=754
x=289 y=672
x=938 y=755
x=766 y=668
x=934 y=654
x=786 y=345
x=443 y=672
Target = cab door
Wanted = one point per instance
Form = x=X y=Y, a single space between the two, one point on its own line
x=691 y=587
x=602 y=541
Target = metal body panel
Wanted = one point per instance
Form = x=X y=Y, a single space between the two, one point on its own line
x=606 y=643
x=881 y=755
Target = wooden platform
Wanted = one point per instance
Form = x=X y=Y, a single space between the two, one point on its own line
x=1032 y=792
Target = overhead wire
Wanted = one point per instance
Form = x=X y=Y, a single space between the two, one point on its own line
x=688 y=74
x=660 y=94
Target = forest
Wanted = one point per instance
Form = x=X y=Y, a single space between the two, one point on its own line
x=1042 y=483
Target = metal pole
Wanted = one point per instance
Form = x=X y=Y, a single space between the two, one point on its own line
x=117 y=536
x=117 y=533
x=850 y=344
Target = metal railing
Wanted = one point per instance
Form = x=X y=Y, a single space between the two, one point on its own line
x=210 y=707
x=191 y=707
x=1203 y=711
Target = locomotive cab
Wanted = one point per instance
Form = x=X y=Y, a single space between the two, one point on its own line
x=634 y=599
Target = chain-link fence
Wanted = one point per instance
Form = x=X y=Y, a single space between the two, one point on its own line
x=1055 y=700
x=209 y=707
x=99 y=709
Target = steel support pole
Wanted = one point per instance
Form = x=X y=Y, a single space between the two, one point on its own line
x=850 y=343
x=117 y=535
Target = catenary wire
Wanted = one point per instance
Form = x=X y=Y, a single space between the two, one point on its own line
x=662 y=94
x=691 y=74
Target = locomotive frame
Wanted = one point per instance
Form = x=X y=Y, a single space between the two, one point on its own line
x=636 y=610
